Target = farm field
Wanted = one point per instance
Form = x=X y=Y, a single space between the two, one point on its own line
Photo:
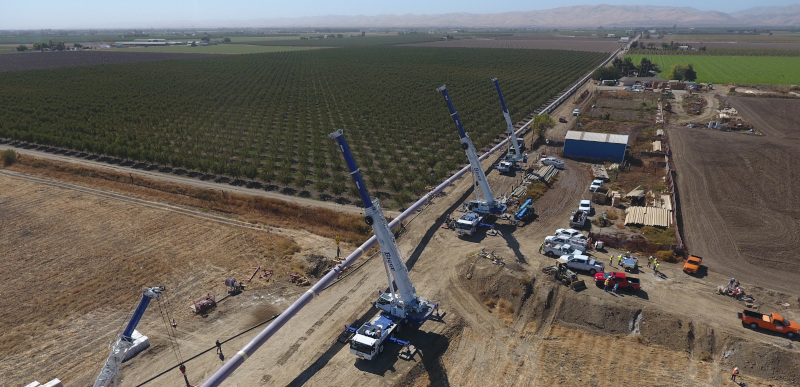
x=733 y=69
x=227 y=115
x=220 y=49
x=55 y=60
x=575 y=43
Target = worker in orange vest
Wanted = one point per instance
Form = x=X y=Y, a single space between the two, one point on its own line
x=735 y=373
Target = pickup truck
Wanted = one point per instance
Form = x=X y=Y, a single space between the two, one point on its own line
x=630 y=284
x=692 y=264
x=772 y=321
x=578 y=219
x=557 y=250
x=583 y=263
x=570 y=233
x=578 y=244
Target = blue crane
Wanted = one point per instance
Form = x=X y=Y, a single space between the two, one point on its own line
x=517 y=156
x=485 y=202
x=108 y=375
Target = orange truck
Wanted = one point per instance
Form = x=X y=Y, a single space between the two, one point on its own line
x=692 y=264
x=771 y=321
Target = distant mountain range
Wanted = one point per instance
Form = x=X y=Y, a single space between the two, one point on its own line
x=586 y=16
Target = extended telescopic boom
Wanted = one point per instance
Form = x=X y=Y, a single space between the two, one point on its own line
x=485 y=202
x=509 y=125
x=408 y=305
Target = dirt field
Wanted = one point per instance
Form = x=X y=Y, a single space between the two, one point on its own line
x=76 y=258
x=573 y=43
x=736 y=191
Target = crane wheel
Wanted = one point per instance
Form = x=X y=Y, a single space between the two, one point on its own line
x=368 y=220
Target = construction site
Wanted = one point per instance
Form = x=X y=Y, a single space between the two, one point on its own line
x=465 y=287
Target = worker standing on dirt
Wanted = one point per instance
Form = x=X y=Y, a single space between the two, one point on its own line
x=605 y=288
x=619 y=260
x=541 y=247
x=611 y=260
x=735 y=373
x=219 y=347
x=656 y=267
x=649 y=261
x=616 y=286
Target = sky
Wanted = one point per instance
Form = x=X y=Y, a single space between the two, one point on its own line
x=66 y=14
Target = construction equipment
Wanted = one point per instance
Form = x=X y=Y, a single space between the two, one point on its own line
x=566 y=276
x=485 y=202
x=234 y=287
x=397 y=307
x=517 y=156
x=525 y=212
x=204 y=304
x=125 y=342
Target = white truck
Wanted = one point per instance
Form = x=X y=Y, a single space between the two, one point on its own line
x=368 y=340
x=468 y=223
x=557 y=250
x=583 y=263
x=577 y=244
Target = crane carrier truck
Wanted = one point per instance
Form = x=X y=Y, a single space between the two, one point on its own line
x=397 y=307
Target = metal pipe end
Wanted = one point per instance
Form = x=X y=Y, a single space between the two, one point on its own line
x=441 y=89
x=337 y=133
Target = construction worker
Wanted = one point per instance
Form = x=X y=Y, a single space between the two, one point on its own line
x=649 y=261
x=541 y=247
x=735 y=373
x=616 y=286
x=619 y=261
x=657 y=266
x=611 y=260
x=605 y=288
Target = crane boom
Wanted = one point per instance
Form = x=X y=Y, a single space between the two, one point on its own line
x=408 y=305
x=485 y=202
x=108 y=375
x=509 y=125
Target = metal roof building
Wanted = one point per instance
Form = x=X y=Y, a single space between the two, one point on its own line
x=596 y=146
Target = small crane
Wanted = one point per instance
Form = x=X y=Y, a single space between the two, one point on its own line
x=108 y=375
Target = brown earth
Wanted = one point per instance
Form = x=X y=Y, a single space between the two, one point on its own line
x=75 y=259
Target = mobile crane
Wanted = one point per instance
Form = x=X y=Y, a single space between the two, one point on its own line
x=396 y=307
x=108 y=375
x=509 y=164
x=485 y=203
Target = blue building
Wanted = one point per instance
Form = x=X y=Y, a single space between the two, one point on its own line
x=595 y=146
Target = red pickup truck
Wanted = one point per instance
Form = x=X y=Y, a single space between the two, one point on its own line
x=772 y=321
x=630 y=284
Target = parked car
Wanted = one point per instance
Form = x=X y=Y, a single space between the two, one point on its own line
x=586 y=205
x=562 y=118
x=576 y=112
x=597 y=183
x=692 y=264
x=557 y=250
x=583 y=263
x=554 y=162
x=570 y=233
x=578 y=244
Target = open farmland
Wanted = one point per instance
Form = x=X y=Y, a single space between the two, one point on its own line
x=266 y=116
x=54 y=60
x=575 y=43
x=750 y=70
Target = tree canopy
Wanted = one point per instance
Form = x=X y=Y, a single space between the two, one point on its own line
x=683 y=72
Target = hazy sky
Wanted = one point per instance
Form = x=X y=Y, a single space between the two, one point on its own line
x=36 y=14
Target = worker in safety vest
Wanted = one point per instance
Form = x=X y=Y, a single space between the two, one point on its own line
x=735 y=373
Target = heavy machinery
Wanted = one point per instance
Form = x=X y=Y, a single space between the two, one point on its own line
x=566 y=276
x=484 y=203
x=402 y=306
x=125 y=342
x=525 y=212
x=234 y=286
x=517 y=156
